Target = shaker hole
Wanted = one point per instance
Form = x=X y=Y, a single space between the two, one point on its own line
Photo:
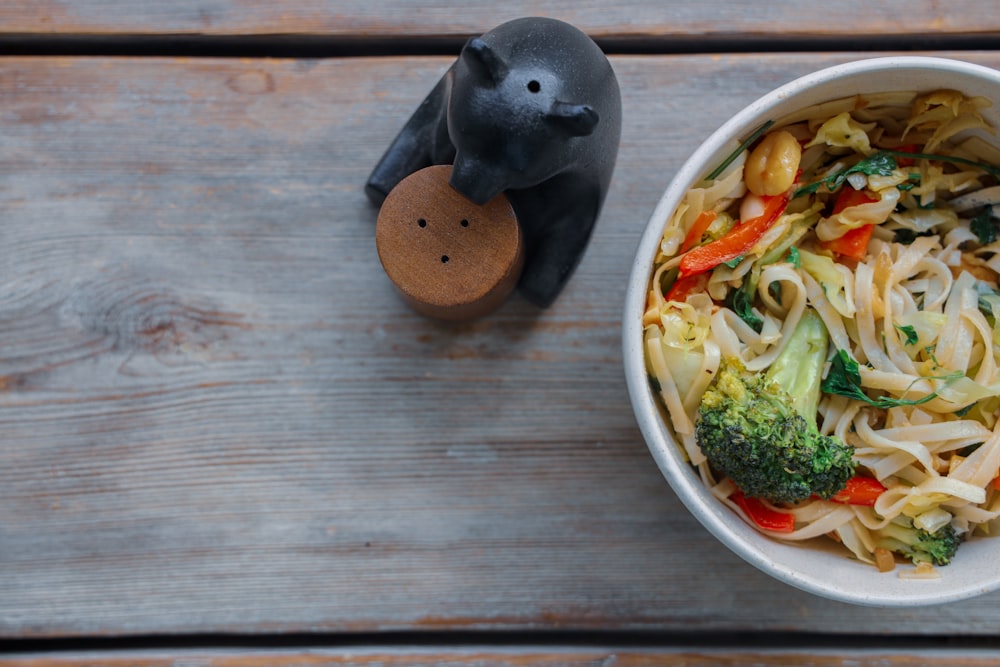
x=534 y=86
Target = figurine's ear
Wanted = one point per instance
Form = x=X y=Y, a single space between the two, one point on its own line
x=484 y=61
x=578 y=120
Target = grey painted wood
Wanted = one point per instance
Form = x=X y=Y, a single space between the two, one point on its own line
x=672 y=19
x=216 y=415
x=477 y=656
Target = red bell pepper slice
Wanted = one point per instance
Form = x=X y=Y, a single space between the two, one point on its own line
x=854 y=242
x=860 y=491
x=848 y=197
x=762 y=515
x=907 y=161
x=683 y=287
x=701 y=223
x=737 y=242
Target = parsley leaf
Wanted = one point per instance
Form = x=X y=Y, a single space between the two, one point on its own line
x=844 y=379
x=964 y=411
x=983 y=227
x=794 y=258
x=910 y=333
x=876 y=164
x=740 y=301
x=989 y=301
x=907 y=236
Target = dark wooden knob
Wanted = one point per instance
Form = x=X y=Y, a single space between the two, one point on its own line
x=449 y=258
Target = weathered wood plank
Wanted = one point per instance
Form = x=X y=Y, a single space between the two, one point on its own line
x=628 y=18
x=514 y=657
x=216 y=416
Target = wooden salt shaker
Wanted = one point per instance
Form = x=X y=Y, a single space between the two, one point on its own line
x=449 y=258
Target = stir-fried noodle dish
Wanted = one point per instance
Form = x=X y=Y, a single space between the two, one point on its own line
x=822 y=327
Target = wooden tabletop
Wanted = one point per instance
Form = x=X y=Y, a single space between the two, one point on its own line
x=225 y=440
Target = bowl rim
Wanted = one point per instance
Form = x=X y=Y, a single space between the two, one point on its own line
x=714 y=516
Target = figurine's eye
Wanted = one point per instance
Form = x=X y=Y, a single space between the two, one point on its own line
x=534 y=86
x=421 y=223
x=464 y=223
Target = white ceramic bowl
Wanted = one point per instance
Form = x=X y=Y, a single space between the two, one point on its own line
x=820 y=566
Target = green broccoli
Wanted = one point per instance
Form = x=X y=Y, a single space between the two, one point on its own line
x=902 y=537
x=760 y=429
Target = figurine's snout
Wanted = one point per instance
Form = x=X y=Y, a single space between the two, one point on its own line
x=476 y=181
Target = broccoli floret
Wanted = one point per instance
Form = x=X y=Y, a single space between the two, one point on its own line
x=760 y=429
x=902 y=537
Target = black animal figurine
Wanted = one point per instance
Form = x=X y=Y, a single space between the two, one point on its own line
x=531 y=109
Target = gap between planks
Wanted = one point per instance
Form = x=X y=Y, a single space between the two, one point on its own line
x=408 y=647
x=375 y=45
x=483 y=656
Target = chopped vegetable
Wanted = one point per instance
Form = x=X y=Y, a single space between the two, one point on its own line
x=854 y=242
x=920 y=546
x=698 y=228
x=684 y=287
x=740 y=301
x=912 y=338
x=904 y=149
x=984 y=227
x=738 y=241
x=764 y=516
x=794 y=258
x=746 y=143
x=881 y=163
x=760 y=429
x=844 y=379
x=860 y=491
x=849 y=197
x=954 y=159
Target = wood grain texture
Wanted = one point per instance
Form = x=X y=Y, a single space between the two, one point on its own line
x=625 y=18
x=491 y=657
x=216 y=414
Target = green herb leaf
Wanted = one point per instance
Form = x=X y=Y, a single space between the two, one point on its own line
x=911 y=334
x=989 y=303
x=774 y=289
x=740 y=301
x=961 y=413
x=988 y=168
x=844 y=379
x=983 y=227
x=756 y=134
x=876 y=164
x=907 y=236
x=794 y=258
x=734 y=262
